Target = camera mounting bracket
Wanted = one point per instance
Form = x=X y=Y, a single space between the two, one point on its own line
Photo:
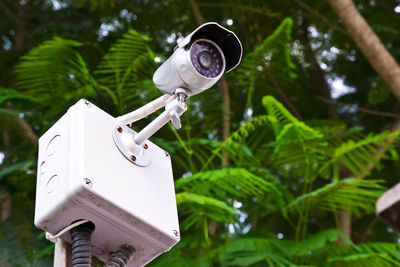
x=131 y=144
x=123 y=139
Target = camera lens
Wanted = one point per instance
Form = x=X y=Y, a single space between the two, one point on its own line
x=206 y=58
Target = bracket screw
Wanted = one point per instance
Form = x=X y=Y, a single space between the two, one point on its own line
x=133 y=158
x=119 y=129
x=87 y=103
x=88 y=182
x=145 y=146
x=166 y=154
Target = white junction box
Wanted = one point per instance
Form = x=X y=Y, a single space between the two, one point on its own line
x=83 y=175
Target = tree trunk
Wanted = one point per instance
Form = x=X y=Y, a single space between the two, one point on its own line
x=6 y=198
x=6 y=206
x=21 y=22
x=319 y=80
x=18 y=124
x=377 y=55
x=370 y=45
x=317 y=74
x=226 y=102
x=282 y=93
x=226 y=117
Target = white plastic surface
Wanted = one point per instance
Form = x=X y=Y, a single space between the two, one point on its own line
x=83 y=175
x=146 y=110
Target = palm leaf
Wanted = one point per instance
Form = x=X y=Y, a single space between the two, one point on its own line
x=55 y=70
x=18 y=166
x=357 y=155
x=192 y=152
x=273 y=54
x=195 y=206
x=249 y=251
x=317 y=241
x=243 y=132
x=9 y=111
x=278 y=113
x=11 y=251
x=125 y=67
x=354 y=195
x=237 y=181
x=297 y=145
x=390 y=249
x=11 y=94
x=363 y=260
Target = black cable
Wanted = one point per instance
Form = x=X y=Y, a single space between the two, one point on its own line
x=121 y=257
x=81 y=252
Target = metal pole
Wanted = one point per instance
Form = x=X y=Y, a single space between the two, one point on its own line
x=63 y=256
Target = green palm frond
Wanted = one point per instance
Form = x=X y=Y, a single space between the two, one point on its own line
x=180 y=261
x=16 y=167
x=279 y=115
x=7 y=94
x=390 y=249
x=194 y=207
x=9 y=111
x=192 y=152
x=357 y=155
x=297 y=145
x=354 y=195
x=55 y=71
x=249 y=251
x=239 y=154
x=235 y=145
x=243 y=132
x=125 y=66
x=363 y=260
x=321 y=247
x=11 y=252
x=334 y=131
x=317 y=241
x=272 y=56
x=237 y=181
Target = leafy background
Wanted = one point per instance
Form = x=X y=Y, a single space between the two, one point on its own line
x=272 y=193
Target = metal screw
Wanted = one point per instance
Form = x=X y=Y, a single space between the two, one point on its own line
x=87 y=103
x=145 y=146
x=176 y=233
x=119 y=129
x=133 y=158
x=88 y=182
x=166 y=154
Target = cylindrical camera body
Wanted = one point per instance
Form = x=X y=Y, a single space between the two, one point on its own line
x=196 y=67
x=199 y=60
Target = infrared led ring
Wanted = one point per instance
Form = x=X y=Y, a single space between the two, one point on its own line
x=207 y=58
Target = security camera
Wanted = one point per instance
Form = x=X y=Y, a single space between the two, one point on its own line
x=111 y=185
x=199 y=60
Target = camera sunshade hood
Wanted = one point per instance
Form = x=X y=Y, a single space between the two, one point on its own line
x=225 y=39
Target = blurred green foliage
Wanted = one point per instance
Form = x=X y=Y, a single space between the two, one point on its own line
x=293 y=165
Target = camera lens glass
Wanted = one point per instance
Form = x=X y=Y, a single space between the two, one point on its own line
x=206 y=59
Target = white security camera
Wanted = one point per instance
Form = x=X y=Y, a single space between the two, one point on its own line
x=199 y=60
x=99 y=179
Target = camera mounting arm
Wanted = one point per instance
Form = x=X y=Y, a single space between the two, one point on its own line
x=196 y=64
x=173 y=111
x=131 y=144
